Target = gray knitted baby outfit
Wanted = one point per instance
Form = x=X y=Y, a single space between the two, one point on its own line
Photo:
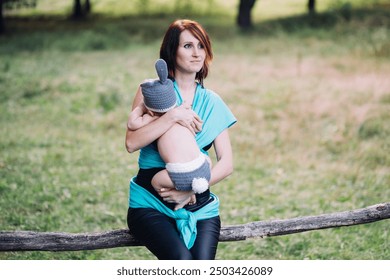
x=159 y=94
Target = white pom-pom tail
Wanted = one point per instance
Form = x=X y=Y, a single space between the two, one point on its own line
x=200 y=185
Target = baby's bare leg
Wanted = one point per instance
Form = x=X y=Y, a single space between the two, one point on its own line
x=162 y=180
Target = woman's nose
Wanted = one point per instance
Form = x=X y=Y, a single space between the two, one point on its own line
x=195 y=52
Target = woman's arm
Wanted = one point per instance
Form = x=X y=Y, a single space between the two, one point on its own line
x=136 y=139
x=224 y=165
x=139 y=117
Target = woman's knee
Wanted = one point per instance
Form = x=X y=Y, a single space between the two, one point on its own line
x=206 y=244
x=174 y=251
x=182 y=254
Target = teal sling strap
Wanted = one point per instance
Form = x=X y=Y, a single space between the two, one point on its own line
x=185 y=220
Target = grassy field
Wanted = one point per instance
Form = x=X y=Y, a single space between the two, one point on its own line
x=311 y=94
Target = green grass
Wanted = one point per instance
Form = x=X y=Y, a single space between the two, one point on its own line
x=311 y=95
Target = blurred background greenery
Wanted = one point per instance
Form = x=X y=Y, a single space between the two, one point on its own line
x=310 y=90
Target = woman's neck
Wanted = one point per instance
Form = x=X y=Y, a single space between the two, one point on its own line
x=187 y=86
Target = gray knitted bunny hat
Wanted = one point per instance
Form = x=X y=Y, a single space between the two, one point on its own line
x=159 y=94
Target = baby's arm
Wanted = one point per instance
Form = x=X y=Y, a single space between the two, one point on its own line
x=139 y=117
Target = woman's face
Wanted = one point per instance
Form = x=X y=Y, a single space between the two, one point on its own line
x=190 y=54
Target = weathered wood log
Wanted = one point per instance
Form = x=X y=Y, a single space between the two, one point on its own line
x=300 y=224
x=57 y=241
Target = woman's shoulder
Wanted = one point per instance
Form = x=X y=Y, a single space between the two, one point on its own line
x=209 y=93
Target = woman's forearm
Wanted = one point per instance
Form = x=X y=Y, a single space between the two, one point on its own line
x=220 y=171
x=224 y=165
x=143 y=136
x=139 y=138
x=136 y=139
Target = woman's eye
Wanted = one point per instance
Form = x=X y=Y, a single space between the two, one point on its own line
x=187 y=46
x=200 y=46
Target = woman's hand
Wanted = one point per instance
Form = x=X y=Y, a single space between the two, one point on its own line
x=180 y=198
x=187 y=118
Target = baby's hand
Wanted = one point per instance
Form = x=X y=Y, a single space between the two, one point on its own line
x=190 y=201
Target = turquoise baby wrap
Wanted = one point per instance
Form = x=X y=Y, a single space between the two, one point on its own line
x=216 y=118
x=185 y=220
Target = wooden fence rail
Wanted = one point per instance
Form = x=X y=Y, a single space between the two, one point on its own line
x=59 y=241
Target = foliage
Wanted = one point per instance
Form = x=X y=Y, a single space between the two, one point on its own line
x=15 y=4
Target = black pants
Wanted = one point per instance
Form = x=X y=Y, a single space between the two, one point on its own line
x=159 y=234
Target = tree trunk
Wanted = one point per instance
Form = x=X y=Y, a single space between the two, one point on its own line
x=244 y=19
x=87 y=7
x=311 y=5
x=2 y=27
x=77 y=10
x=59 y=241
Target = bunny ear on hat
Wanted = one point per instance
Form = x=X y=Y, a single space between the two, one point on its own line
x=162 y=69
x=159 y=95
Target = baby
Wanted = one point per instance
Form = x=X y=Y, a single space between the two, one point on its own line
x=187 y=168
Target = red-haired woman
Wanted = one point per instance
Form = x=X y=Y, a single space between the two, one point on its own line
x=191 y=232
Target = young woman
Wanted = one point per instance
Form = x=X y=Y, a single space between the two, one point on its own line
x=191 y=232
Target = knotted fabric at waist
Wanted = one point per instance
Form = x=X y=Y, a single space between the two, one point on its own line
x=185 y=220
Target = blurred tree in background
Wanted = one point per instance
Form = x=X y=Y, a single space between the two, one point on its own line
x=82 y=8
x=245 y=7
x=244 y=19
x=311 y=6
x=13 y=4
